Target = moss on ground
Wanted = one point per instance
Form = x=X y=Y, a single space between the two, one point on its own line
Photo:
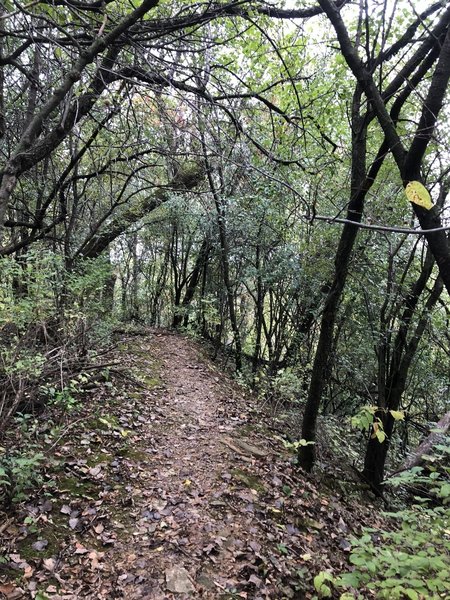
x=249 y=480
x=77 y=487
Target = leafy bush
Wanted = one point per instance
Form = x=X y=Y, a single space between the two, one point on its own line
x=366 y=419
x=285 y=388
x=48 y=320
x=19 y=474
x=66 y=396
x=412 y=560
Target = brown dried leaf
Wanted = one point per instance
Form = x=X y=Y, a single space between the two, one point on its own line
x=49 y=564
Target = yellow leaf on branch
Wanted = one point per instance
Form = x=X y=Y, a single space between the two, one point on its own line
x=417 y=193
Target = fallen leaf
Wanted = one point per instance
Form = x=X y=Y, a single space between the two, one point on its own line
x=345 y=545
x=11 y=592
x=255 y=580
x=342 y=525
x=95 y=558
x=95 y=471
x=47 y=506
x=306 y=556
x=51 y=589
x=99 y=528
x=49 y=564
x=80 y=549
x=28 y=572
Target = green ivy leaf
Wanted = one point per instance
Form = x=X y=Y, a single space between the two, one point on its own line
x=320 y=586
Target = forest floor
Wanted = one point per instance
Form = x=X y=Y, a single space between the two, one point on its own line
x=167 y=483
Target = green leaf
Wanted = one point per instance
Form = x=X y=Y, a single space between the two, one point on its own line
x=381 y=436
x=320 y=586
x=282 y=549
x=352 y=579
x=304 y=442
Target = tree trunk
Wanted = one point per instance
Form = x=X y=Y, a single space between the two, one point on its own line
x=259 y=309
x=376 y=452
x=191 y=284
x=321 y=366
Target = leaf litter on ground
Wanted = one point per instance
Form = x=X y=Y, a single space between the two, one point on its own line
x=173 y=487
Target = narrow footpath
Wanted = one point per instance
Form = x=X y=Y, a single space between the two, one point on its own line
x=169 y=484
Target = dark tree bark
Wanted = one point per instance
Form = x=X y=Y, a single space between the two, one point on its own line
x=31 y=148
x=192 y=283
x=409 y=163
x=321 y=367
x=220 y=207
x=397 y=374
x=259 y=310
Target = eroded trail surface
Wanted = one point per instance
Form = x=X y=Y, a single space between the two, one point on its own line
x=168 y=485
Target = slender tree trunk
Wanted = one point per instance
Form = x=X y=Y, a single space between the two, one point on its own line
x=2 y=80
x=224 y=248
x=259 y=308
x=31 y=149
x=376 y=452
x=321 y=367
x=202 y=323
x=155 y=315
x=135 y=279
x=409 y=166
x=409 y=162
x=227 y=282
x=191 y=284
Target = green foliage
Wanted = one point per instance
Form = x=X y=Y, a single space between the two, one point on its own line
x=20 y=473
x=285 y=386
x=366 y=419
x=48 y=318
x=321 y=586
x=27 y=289
x=85 y=289
x=294 y=446
x=413 y=559
x=66 y=396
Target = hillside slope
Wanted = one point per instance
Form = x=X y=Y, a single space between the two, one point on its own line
x=165 y=484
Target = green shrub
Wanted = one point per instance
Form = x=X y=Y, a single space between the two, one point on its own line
x=20 y=473
x=413 y=559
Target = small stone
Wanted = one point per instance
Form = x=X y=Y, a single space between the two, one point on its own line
x=40 y=545
x=179 y=581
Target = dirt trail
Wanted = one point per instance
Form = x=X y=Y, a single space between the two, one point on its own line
x=171 y=488
x=184 y=491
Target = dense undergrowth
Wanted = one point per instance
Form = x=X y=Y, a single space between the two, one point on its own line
x=52 y=329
